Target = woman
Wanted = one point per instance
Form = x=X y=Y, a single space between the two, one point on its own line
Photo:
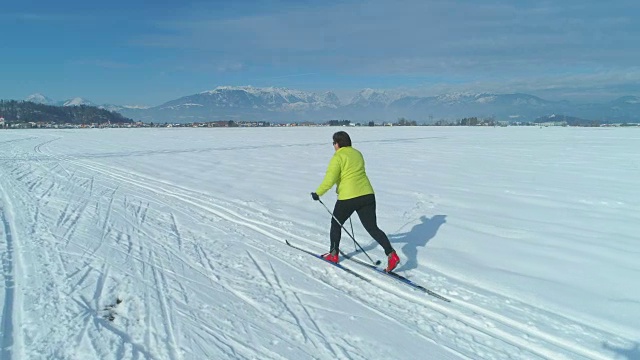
x=355 y=193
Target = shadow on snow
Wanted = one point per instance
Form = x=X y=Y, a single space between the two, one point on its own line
x=418 y=236
x=632 y=353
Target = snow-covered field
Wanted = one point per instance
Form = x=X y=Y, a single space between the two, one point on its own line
x=169 y=244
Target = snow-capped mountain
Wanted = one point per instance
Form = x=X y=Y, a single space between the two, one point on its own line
x=379 y=105
x=77 y=101
x=39 y=99
x=273 y=99
x=371 y=97
x=284 y=105
x=42 y=99
x=240 y=103
x=481 y=105
x=271 y=96
x=280 y=105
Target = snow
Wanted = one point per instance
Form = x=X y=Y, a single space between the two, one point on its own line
x=77 y=102
x=188 y=105
x=293 y=100
x=532 y=233
x=39 y=98
x=142 y=107
x=486 y=99
x=267 y=92
x=368 y=96
x=456 y=97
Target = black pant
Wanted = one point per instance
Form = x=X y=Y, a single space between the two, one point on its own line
x=365 y=206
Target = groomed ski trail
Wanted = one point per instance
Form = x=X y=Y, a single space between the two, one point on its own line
x=482 y=320
x=461 y=318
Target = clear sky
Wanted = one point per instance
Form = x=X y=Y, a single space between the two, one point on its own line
x=146 y=53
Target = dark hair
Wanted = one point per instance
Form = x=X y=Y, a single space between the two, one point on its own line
x=342 y=139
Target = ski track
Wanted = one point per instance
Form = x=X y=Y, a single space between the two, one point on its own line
x=166 y=287
x=478 y=324
x=7 y=325
x=11 y=339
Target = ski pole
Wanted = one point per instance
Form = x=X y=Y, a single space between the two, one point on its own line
x=348 y=233
x=353 y=232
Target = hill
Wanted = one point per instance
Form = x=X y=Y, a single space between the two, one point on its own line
x=26 y=111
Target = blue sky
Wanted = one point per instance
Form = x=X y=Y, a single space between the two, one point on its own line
x=132 y=52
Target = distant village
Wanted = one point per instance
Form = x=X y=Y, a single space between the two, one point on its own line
x=472 y=121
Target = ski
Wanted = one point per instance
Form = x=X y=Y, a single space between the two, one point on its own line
x=391 y=274
x=328 y=262
x=395 y=276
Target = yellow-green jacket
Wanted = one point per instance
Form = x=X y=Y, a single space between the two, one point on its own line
x=346 y=171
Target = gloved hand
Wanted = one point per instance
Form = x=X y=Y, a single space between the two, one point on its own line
x=315 y=196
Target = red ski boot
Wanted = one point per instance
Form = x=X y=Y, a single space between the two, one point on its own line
x=394 y=260
x=331 y=257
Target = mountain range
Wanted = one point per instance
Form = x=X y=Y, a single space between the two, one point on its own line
x=286 y=105
x=42 y=99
